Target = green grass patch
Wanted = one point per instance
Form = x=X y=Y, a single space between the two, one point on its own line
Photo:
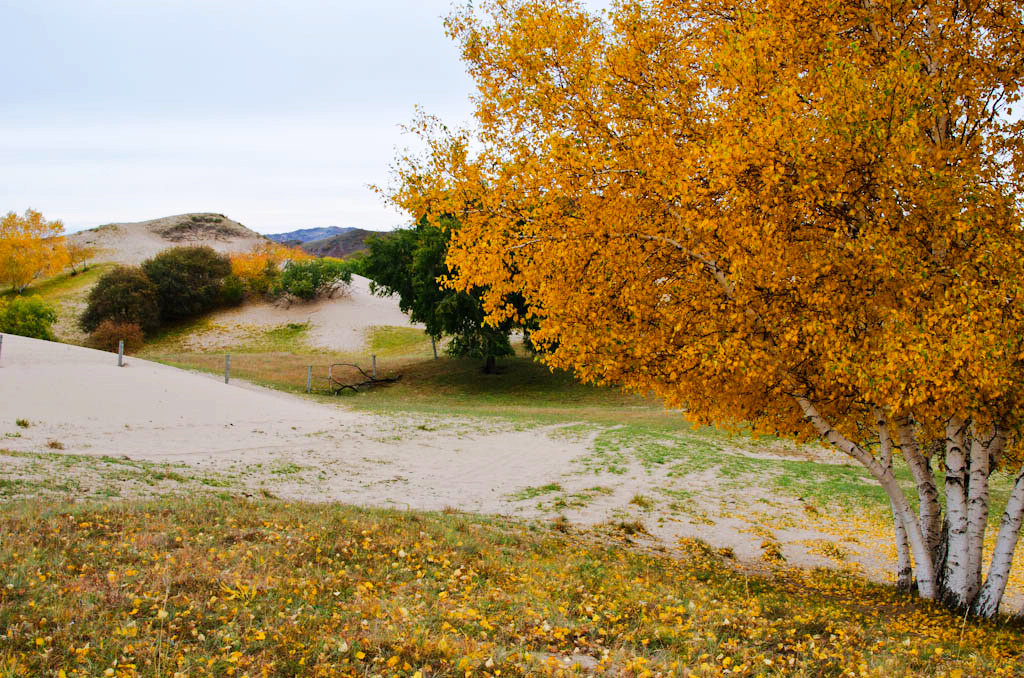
x=391 y=339
x=534 y=492
x=65 y=285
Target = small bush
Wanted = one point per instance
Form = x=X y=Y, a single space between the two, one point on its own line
x=188 y=280
x=27 y=317
x=22 y=423
x=232 y=291
x=109 y=333
x=309 y=279
x=124 y=295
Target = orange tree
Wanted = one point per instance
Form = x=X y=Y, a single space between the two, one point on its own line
x=800 y=214
x=30 y=247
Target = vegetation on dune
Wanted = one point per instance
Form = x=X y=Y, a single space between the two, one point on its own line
x=260 y=268
x=206 y=587
x=311 y=278
x=801 y=216
x=28 y=317
x=124 y=295
x=188 y=280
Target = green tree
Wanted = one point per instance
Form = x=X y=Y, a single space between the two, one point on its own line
x=124 y=295
x=410 y=262
x=309 y=279
x=27 y=317
x=188 y=280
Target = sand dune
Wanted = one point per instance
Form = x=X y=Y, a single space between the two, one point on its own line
x=132 y=243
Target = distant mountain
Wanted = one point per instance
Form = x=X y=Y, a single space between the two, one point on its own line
x=342 y=245
x=304 y=235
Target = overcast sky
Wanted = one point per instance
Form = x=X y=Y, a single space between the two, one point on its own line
x=277 y=113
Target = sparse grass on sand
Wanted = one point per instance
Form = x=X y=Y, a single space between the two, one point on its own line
x=208 y=587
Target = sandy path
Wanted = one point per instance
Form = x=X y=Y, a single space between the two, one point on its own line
x=80 y=398
x=251 y=438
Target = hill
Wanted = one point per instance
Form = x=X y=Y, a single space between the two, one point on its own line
x=341 y=245
x=304 y=235
x=131 y=243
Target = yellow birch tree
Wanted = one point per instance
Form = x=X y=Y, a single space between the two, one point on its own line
x=30 y=247
x=801 y=214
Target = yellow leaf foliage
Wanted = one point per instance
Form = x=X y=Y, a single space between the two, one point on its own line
x=264 y=257
x=30 y=247
x=737 y=204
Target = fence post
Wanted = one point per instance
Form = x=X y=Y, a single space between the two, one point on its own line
x=433 y=345
x=120 y=352
x=309 y=378
x=227 y=367
x=374 y=367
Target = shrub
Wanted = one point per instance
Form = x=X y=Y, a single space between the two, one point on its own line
x=260 y=268
x=232 y=291
x=188 y=280
x=110 y=332
x=124 y=295
x=27 y=317
x=308 y=279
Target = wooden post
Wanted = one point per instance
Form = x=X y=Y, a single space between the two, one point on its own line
x=374 y=367
x=309 y=378
x=433 y=345
x=120 y=353
x=227 y=367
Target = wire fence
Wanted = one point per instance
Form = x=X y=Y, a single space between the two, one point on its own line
x=323 y=374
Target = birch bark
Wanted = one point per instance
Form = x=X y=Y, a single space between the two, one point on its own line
x=957 y=561
x=987 y=602
x=924 y=479
x=977 y=511
x=904 y=567
x=924 y=569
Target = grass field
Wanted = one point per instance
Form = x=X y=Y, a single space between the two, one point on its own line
x=209 y=587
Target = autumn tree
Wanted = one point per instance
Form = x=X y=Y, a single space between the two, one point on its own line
x=801 y=215
x=79 y=254
x=260 y=268
x=410 y=263
x=30 y=247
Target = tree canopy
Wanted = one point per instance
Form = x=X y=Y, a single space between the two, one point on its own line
x=188 y=280
x=800 y=215
x=30 y=247
x=410 y=262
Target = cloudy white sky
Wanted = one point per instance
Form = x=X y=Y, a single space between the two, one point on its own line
x=277 y=113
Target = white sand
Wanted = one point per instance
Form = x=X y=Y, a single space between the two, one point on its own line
x=339 y=324
x=133 y=243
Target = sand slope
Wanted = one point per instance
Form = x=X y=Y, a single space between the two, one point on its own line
x=339 y=324
x=132 y=243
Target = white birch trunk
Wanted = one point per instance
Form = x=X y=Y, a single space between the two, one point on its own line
x=957 y=561
x=924 y=479
x=977 y=512
x=987 y=602
x=904 y=568
x=922 y=556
